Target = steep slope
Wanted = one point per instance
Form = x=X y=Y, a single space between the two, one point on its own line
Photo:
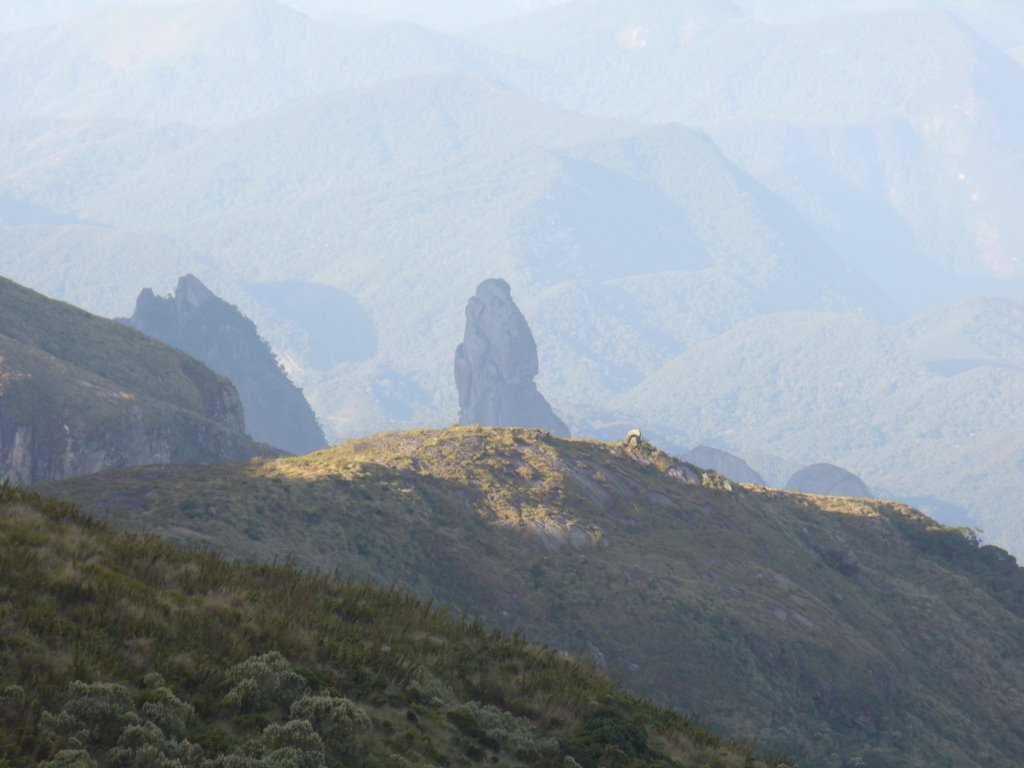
x=205 y=326
x=79 y=393
x=834 y=629
x=183 y=659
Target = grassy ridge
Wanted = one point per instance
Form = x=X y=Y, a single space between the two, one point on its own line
x=131 y=644
x=835 y=630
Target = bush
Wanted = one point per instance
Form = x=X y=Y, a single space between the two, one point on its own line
x=262 y=681
x=293 y=745
x=336 y=719
x=146 y=746
x=94 y=716
x=164 y=709
x=70 y=758
x=602 y=737
x=498 y=729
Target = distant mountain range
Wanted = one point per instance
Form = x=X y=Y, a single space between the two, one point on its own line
x=657 y=182
x=898 y=133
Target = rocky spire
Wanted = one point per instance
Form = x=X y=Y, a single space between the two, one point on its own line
x=495 y=365
x=205 y=326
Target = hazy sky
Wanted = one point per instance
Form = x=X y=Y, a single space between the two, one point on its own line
x=1002 y=21
x=1004 y=18
x=442 y=14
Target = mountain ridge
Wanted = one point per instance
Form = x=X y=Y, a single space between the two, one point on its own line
x=791 y=607
x=203 y=325
x=79 y=393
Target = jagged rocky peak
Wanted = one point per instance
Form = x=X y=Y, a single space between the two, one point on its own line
x=828 y=480
x=205 y=326
x=191 y=292
x=496 y=363
x=724 y=463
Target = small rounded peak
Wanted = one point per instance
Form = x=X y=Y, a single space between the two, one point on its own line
x=724 y=463
x=828 y=480
x=191 y=291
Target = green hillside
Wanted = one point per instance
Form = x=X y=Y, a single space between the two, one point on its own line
x=79 y=393
x=835 y=630
x=121 y=650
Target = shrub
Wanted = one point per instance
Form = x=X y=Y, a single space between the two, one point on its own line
x=259 y=682
x=164 y=709
x=146 y=746
x=499 y=729
x=335 y=718
x=70 y=758
x=603 y=736
x=94 y=715
x=293 y=745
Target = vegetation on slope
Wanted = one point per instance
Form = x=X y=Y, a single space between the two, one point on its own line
x=835 y=630
x=122 y=650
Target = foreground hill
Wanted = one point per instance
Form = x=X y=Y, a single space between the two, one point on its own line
x=833 y=629
x=79 y=393
x=128 y=651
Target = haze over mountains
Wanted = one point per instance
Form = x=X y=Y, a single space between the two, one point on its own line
x=772 y=229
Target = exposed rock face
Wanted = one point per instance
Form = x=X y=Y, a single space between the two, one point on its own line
x=828 y=480
x=495 y=365
x=724 y=463
x=79 y=394
x=203 y=325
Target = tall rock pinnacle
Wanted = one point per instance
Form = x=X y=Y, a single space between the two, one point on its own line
x=495 y=365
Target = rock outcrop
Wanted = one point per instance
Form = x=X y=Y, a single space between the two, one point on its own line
x=205 y=326
x=828 y=480
x=724 y=463
x=496 y=363
x=79 y=394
